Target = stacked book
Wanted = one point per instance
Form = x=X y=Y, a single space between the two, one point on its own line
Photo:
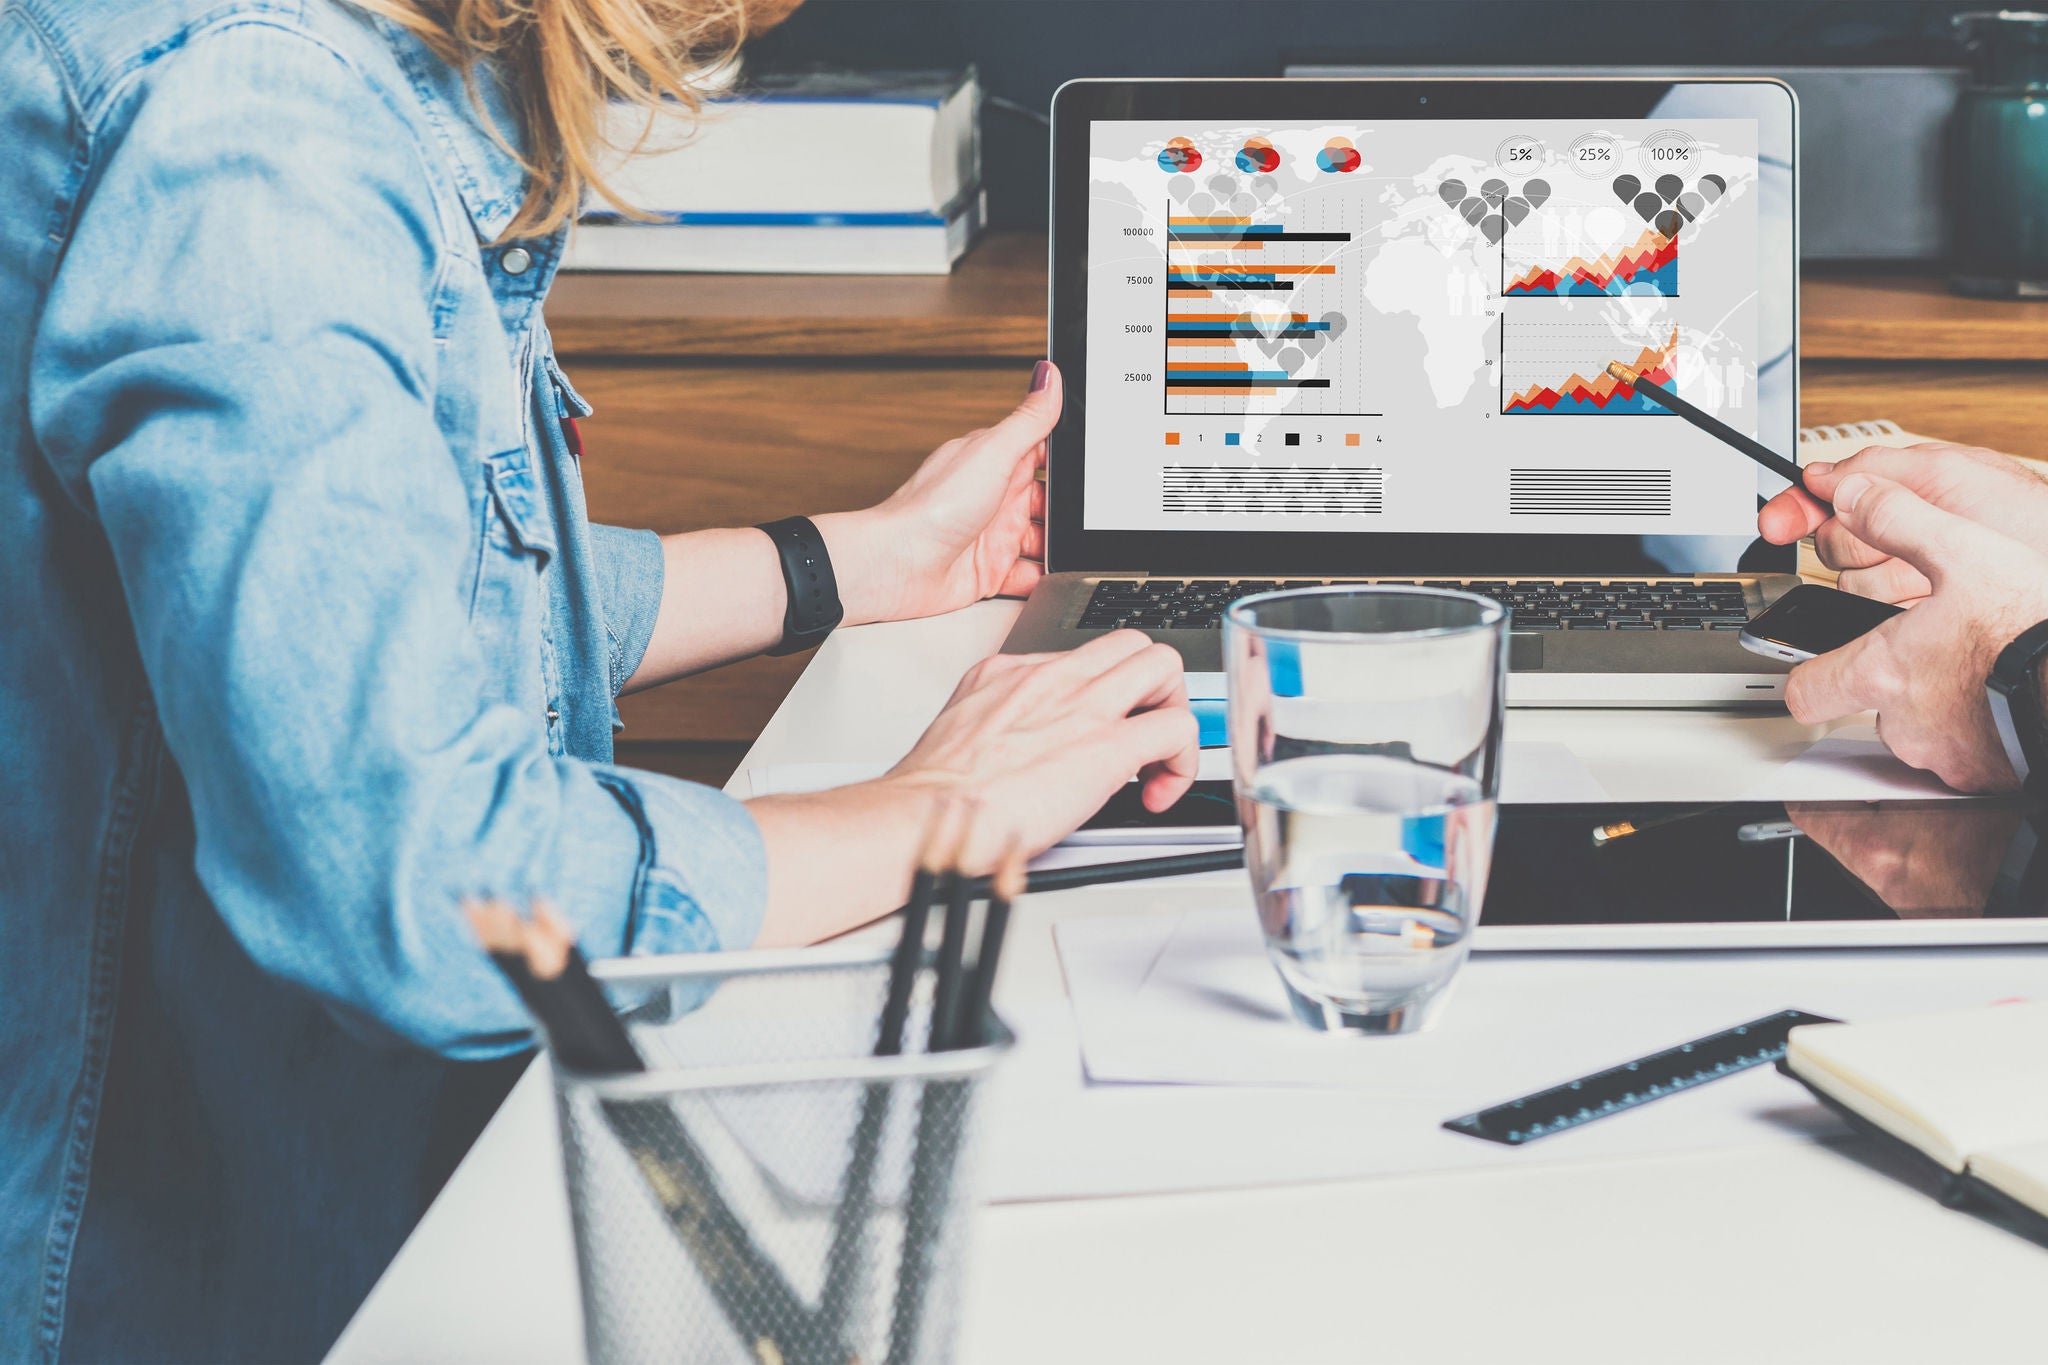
x=876 y=173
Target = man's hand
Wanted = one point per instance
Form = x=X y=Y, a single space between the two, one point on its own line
x=969 y=524
x=1982 y=486
x=1923 y=671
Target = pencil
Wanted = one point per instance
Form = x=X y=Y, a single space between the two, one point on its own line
x=846 y=1264
x=1134 y=869
x=949 y=978
x=1006 y=886
x=941 y=1110
x=1715 y=427
x=541 y=960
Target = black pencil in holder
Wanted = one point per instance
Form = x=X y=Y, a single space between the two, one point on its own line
x=768 y=1190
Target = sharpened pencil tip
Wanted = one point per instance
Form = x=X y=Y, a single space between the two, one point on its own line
x=1622 y=372
x=1009 y=878
x=496 y=925
x=548 y=942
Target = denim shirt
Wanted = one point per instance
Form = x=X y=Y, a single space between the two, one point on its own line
x=304 y=637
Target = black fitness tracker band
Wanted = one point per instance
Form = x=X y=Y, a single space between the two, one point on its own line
x=2014 y=689
x=813 y=608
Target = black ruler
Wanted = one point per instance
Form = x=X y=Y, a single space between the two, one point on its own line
x=1756 y=1043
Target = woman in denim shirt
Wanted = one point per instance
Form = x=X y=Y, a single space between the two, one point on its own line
x=306 y=638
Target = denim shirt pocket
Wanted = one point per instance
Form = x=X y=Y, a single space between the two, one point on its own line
x=515 y=545
x=575 y=402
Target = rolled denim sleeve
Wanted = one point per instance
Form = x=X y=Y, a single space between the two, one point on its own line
x=248 y=408
x=630 y=574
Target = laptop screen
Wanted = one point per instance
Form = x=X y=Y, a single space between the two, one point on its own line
x=1402 y=325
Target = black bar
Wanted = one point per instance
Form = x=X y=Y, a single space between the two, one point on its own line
x=1281 y=286
x=1260 y=237
x=1172 y=382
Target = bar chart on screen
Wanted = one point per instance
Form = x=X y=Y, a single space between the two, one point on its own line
x=1253 y=322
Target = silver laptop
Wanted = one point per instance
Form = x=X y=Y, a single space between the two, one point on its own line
x=1358 y=330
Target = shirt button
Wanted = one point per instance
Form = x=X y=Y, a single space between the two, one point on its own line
x=516 y=260
x=553 y=715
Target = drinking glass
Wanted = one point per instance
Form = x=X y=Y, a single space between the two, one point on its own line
x=1365 y=738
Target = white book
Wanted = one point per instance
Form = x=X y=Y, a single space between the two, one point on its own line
x=844 y=143
x=780 y=244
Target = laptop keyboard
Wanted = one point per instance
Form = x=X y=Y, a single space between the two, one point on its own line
x=1535 y=604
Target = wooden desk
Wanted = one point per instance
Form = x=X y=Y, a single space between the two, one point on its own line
x=731 y=399
x=1903 y=347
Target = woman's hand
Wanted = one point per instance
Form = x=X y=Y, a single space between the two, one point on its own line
x=1983 y=486
x=969 y=524
x=1923 y=671
x=1042 y=740
x=1036 y=741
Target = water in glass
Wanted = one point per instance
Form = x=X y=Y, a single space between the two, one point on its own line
x=1369 y=872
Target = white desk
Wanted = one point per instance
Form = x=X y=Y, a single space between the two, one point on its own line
x=1792 y=1252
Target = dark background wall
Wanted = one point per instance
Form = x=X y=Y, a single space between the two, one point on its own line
x=1026 y=48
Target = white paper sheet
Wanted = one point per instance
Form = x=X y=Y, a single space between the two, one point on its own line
x=1849 y=764
x=1219 y=1111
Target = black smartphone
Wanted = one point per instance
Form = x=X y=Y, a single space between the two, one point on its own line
x=1811 y=620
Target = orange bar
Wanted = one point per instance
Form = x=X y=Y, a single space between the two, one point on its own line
x=1223 y=317
x=1180 y=294
x=1173 y=438
x=1205 y=341
x=1205 y=365
x=1215 y=246
x=1205 y=392
x=1213 y=218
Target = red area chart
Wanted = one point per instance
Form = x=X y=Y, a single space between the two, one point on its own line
x=1648 y=267
x=1586 y=389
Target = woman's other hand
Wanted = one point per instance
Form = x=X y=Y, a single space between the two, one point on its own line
x=1993 y=490
x=1036 y=741
x=1042 y=740
x=969 y=524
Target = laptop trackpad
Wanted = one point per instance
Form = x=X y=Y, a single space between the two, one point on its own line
x=1525 y=652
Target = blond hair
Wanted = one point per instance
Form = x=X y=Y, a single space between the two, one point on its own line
x=565 y=61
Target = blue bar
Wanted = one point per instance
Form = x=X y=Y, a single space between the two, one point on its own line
x=1246 y=375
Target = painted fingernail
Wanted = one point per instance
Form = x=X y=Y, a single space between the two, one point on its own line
x=1041 y=375
x=1849 y=491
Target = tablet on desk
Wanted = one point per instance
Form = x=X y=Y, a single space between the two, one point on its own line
x=1766 y=874
x=1744 y=874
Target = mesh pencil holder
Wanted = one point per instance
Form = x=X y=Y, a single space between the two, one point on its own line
x=768 y=1191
